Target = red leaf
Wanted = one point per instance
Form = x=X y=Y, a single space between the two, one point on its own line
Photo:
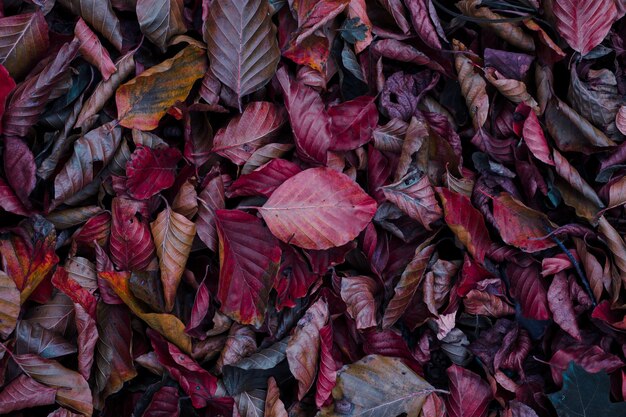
x=131 y=242
x=210 y=200
x=532 y=133
x=294 y=278
x=528 y=288
x=93 y=51
x=193 y=379
x=521 y=226
x=164 y=403
x=327 y=374
x=310 y=123
x=469 y=394
x=19 y=162
x=258 y=125
x=314 y=14
x=317 y=209
x=25 y=392
x=591 y=358
x=263 y=180
x=420 y=17
x=352 y=123
x=10 y=202
x=6 y=87
x=466 y=222
x=150 y=171
x=249 y=258
x=584 y=24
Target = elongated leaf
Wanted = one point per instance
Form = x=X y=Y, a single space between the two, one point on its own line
x=161 y=20
x=249 y=258
x=264 y=180
x=527 y=287
x=533 y=135
x=274 y=407
x=99 y=14
x=241 y=44
x=304 y=345
x=23 y=40
x=112 y=356
x=318 y=208
x=407 y=286
x=420 y=18
x=584 y=24
x=173 y=235
x=72 y=389
x=256 y=126
x=327 y=375
x=97 y=146
x=144 y=100
x=210 y=200
x=473 y=86
x=30 y=97
x=19 y=161
x=25 y=392
x=377 y=386
x=9 y=305
x=93 y=51
x=310 y=123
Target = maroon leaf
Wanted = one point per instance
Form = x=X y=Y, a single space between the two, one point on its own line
x=264 y=180
x=131 y=242
x=352 y=123
x=414 y=195
x=249 y=258
x=561 y=305
x=193 y=379
x=6 y=87
x=527 y=287
x=310 y=123
x=294 y=278
x=93 y=51
x=258 y=125
x=19 y=161
x=210 y=200
x=164 y=403
x=466 y=222
x=469 y=394
x=23 y=40
x=420 y=18
x=327 y=374
x=150 y=171
x=358 y=293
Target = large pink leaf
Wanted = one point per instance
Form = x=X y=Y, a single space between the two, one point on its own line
x=310 y=122
x=318 y=208
x=584 y=24
x=352 y=123
x=249 y=258
x=259 y=123
x=150 y=171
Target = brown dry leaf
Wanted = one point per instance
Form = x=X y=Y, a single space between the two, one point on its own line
x=173 y=235
x=506 y=30
x=304 y=345
x=274 y=407
x=9 y=305
x=473 y=86
x=358 y=294
x=514 y=90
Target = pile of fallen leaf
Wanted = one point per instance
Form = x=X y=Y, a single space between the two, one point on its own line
x=312 y=208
